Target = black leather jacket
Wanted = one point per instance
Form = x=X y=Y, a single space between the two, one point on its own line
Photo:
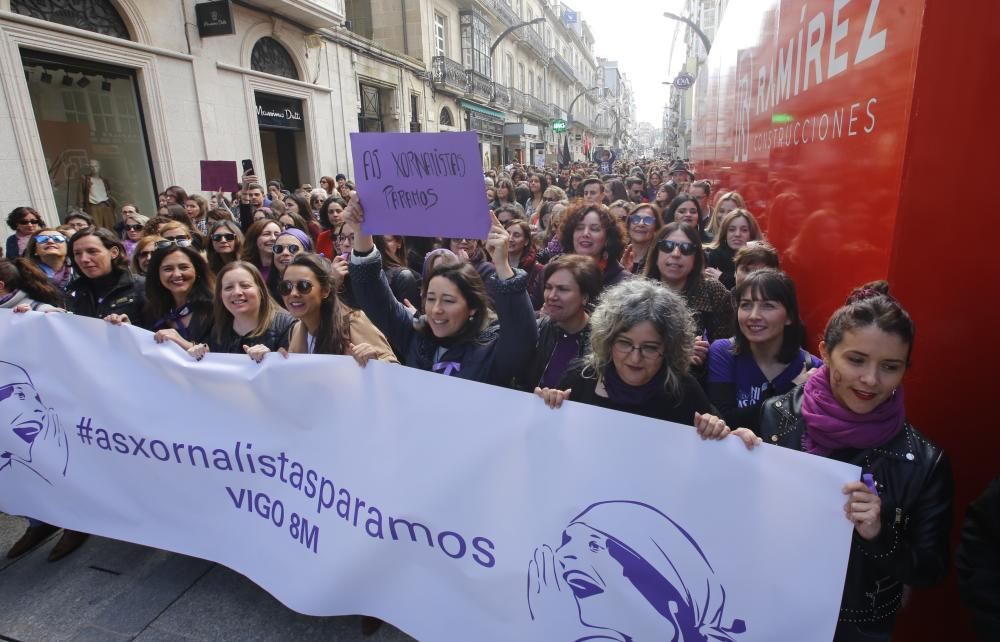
x=915 y=485
x=549 y=334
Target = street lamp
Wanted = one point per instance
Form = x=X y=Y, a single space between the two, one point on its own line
x=694 y=27
x=569 y=111
x=503 y=35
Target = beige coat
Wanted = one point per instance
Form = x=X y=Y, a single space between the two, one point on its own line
x=360 y=330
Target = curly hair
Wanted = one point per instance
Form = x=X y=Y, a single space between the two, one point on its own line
x=626 y=305
x=614 y=244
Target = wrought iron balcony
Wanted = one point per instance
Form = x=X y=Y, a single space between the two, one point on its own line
x=563 y=66
x=501 y=96
x=448 y=75
x=537 y=109
x=507 y=14
x=517 y=100
x=478 y=86
x=535 y=41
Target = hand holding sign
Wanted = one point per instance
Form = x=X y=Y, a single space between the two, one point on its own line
x=354 y=218
x=421 y=184
x=497 y=243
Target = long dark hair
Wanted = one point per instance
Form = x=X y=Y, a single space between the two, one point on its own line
x=331 y=337
x=389 y=261
x=652 y=269
x=159 y=300
x=21 y=273
x=671 y=214
x=614 y=242
x=771 y=285
x=108 y=239
x=250 y=252
x=217 y=261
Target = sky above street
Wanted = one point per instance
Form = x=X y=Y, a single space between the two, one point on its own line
x=635 y=33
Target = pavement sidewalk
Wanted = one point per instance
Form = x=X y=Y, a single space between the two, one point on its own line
x=111 y=591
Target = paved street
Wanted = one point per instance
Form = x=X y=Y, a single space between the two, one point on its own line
x=109 y=591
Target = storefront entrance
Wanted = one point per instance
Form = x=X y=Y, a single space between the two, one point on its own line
x=91 y=128
x=282 y=134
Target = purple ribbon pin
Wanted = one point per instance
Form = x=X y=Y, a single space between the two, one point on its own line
x=447 y=367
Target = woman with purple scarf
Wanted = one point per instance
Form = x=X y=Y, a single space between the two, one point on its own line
x=852 y=410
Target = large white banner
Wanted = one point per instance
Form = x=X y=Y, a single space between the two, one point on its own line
x=453 y=510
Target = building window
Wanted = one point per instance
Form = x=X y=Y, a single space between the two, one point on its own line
x=476 y=41
x=520 y=76
x=370 y=117
x=99 y=16
x=508 y=70
x=445 y=119
x=531 y=82
x=271 y=57
x=414 y=113
x=440 y=34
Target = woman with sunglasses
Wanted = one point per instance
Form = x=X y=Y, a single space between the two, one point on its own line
x=521 y=254
x=259 y=244
x=638 y=361
x=225 y=244
x=289 y=243
x=764 y=358
x=177 y=231
x=456 y=336
x=325 y=325
x=590 y=230
x=132 y=225
x=179 y=294
x=738 y=227
x=49 y=249
x=104 y=288
x=247 y=319
x=852 y=410
x=677 y=260
x=143 y=253
x=643 y=224
x=25 y=222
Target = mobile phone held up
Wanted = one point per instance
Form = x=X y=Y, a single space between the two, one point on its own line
x=248 y=167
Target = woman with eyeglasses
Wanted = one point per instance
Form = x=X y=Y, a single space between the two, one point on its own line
x=591 y=230
x=316 y=199
x=259 y=244
x=104 y=288
x=325 y=325
x=25 y=222
x=456 y=336
x=331 y=219
x=247 y=319
x=764 y=358
x=78 y=220
x=179 y=294
x=643 y=224
x=289 y=243
x=49 y=249
x=405 y=285
x=738 y=227
x=521 y=254
x=638 y=361
x=225 y=244
x=133 y=224
x=676 y=259
x=143 y=254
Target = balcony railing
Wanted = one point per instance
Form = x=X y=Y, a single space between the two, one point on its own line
x=517 y=100
x=563 y=66
x=478 y=85
x=501 y=96
x=535 y=41
x=448 y=74
x=506 y=13
x=537 y=109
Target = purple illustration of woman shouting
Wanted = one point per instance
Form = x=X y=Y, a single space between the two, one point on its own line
x=625 y=571
x=31 y=439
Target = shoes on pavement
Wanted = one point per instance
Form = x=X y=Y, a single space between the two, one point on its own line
x=370 y=625
x=32 y=537
x=69 y=542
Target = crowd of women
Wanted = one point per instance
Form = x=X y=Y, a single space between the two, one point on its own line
x=637 y=291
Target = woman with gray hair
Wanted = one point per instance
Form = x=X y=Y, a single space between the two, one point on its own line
x=640 y=351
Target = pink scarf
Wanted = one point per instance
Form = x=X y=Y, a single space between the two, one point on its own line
x=830 y=426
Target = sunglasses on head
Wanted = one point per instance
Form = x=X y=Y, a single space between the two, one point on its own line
x=639 y=219
x=304 y=286
x=135 y=227
x=223 y=237
x=687 y=249
x=45 y=238
x=179 y=241
x=291 y=247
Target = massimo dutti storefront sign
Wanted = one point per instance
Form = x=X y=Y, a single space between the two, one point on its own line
x=275 y=112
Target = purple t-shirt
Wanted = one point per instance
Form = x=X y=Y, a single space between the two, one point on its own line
x=752 y=387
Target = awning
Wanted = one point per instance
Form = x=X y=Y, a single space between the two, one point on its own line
x=482 y=110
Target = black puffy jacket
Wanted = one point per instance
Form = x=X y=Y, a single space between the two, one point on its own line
x=915 y=485
x=127 y=296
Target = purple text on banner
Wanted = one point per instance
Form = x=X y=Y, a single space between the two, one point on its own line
x=421 y=184
x=219 y=174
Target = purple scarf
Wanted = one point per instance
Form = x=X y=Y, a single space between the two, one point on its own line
x=830 y=426
x=623 y=393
